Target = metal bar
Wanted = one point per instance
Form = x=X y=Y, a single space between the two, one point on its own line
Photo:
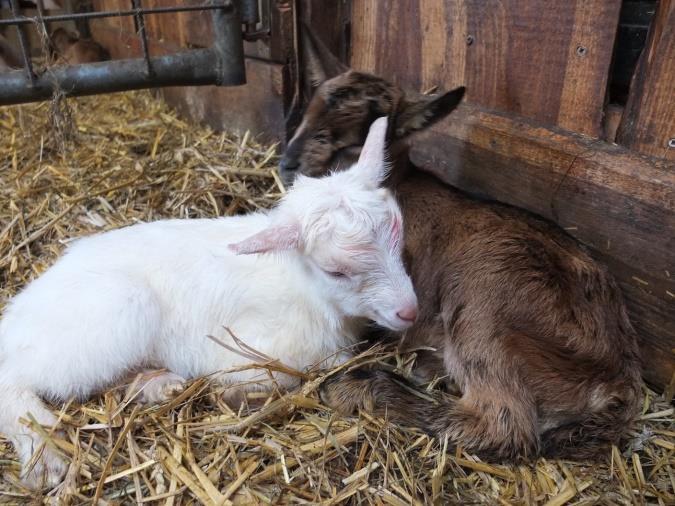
x=25 y=46
x=249 y=13
x=254 y=13
x=19 y=19
x=228 y=46
x=194 y=67
x=140 y=22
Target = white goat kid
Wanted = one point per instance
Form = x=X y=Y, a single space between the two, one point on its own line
x=149 y=295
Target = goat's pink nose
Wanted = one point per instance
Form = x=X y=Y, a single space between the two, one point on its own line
x=408 y=313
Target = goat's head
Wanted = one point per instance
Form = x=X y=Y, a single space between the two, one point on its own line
x=69 y=48
x=343 y=105
x=349 y=232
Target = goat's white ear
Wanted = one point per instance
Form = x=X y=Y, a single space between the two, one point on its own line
x=274 y=238
x=371 y=164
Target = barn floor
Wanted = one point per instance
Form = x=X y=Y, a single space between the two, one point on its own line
x=99 y=163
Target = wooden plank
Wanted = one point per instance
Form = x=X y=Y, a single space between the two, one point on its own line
x=125 y=23
x=649 y=121
x=589 y=53
x=386 y=39
x=333 y=21
x=547 y=63
x=619 y=203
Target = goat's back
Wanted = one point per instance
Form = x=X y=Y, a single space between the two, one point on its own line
x=85 y=51
x=517 y=294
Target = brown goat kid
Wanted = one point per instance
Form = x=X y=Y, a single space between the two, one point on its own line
x=531 y=329
x=66 y=48
x=70 y=49
x=9 y=59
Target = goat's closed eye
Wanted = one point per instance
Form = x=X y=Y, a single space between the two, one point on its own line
x=336 y=274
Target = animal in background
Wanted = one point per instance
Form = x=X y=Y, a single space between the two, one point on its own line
x=70 y=49
x=529 y=326
x=67 y=48
x=9 y=58
x=298 y=284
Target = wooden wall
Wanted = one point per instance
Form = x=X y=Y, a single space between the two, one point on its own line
x=546 y=61
x=530 y=132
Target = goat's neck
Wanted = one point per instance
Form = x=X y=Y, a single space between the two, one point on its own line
x=401 y=165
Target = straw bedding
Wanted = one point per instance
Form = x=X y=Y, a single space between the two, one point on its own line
x=99 y=163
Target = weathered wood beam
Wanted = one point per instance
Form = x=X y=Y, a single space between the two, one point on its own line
x=620 y=204
x=548 y=63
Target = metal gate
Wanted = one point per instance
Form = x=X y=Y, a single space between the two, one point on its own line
x=221 y=64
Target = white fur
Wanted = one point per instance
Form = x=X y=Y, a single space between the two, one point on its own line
x=149 y=295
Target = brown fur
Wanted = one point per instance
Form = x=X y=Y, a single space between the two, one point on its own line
x=70 y=49
x=9 y=58
x=530 y=327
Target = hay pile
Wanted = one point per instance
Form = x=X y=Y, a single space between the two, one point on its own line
x=128 y=158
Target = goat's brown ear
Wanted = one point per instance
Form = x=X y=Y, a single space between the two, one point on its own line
x=419 y=114
x=319 y=64
x=62 y=39
x=7 y=54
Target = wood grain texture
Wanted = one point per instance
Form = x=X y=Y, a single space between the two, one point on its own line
x=545 y=62
x=589 y=53
x=333 y=21
x=125 y=24
x=620 y=204
x=649 y=120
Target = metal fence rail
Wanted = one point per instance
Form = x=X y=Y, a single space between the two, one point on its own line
x=222 y=64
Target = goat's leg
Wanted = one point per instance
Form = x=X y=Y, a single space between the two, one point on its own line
x=74 y=349
x=499 y=426
x=495 y=423
x=156 y=386
x=48 y=467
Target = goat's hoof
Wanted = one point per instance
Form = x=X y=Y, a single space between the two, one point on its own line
x=161 y=387
x=47 y=471
x=346 y=391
